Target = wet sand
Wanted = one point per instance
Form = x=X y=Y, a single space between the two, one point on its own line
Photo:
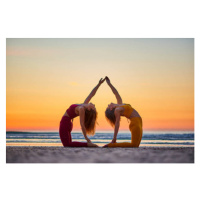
x=99 y=155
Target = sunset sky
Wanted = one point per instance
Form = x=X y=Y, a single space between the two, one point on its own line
x=45 y=76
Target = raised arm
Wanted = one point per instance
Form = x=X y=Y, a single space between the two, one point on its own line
x=118 y=97
x=93 y=92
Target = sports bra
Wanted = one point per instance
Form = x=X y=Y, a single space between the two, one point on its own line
x=128 y=110
x=71 y=111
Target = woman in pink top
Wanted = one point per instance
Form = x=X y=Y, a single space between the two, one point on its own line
x=88 y=115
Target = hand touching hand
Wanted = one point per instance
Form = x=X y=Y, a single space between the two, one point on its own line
x=101 y=81
x=107 y=80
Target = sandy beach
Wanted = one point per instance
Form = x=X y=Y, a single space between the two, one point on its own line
x=99 y=155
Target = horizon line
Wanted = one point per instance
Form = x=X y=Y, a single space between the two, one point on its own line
x=100 y=131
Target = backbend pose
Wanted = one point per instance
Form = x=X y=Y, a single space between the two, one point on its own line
x=113 y=114
x=88 y=115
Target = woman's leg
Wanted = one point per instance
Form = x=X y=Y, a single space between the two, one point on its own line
x=65 y=135
x=76 y=144
x=122 y=144
x=136 y=134
x=136 y=131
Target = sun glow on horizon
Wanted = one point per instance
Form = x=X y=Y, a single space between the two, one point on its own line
x=45 y=76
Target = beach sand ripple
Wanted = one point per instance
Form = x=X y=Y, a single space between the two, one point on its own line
x=99 y=155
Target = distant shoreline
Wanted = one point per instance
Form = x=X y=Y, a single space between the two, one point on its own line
x=173 y=139
x=121 y=131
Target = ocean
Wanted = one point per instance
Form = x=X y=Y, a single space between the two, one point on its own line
x=155 y=139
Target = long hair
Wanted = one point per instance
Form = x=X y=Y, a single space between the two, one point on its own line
x=110 y=116
x=90 y=121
